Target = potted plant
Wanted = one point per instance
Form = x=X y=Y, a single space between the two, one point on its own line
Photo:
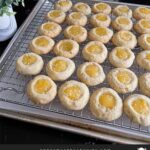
x=8 y=23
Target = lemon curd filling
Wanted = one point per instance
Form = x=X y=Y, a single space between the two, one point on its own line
x=122 y=53
x=55 y=13
x=101 y=17
x=101 y=31
x=101 y=6
x=92 y=70
x=42 y=86
x=76 y=15
x=41 y=42
x=140 y=106
x=145 y=24
x=94 y=49
x=63 y=3
x=123 y=21
x=73 y=92
x=82 y=7
x=144 y=10
x=107 y=100
x=66 y=46
x=75 y=30
x=148 y=56
x=148 y=39
x=59 y=65
x=48 y=26
x=126 y=36
x=124 y=77
x=123 y=9
x=29 y=59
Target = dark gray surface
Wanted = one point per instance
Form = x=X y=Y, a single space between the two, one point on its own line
x=13 y=132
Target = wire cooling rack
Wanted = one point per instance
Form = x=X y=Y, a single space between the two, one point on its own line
x=13 y=85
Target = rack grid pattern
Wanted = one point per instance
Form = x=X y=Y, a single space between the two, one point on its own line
x=12 y=84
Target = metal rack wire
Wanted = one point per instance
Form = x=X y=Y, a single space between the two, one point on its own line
x=12 y=84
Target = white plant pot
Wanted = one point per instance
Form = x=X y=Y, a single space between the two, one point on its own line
x=8 y=26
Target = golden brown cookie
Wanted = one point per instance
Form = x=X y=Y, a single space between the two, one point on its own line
x=64 y=5
x=141 y=13
x=67 y=48
x=57 y=16
x=144 y=83
x=77 y=18
x=60 y=68
x=74 y=95
x=101 y=34
x=91 y=73
x=50 y=29
x=100 y=20
x=106 y=104
x=82 y=7
x=144 y=41
x=143 y=59
x=122 y=80
x=122 y=10
x=76 y=32
x=101 y=8
x=121 y=57
x=122 y=23
x=137 y=108
x=41 y=90
x=142 y=26
x=29 y=64
x=125 y=39
x=95 y=51
x=41 y=44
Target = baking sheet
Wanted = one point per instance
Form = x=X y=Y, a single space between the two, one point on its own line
x=13 y=92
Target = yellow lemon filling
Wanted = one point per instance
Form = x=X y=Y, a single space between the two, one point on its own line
x=75 y=30
x=123 y=21
x=140 y=106
x=144 y=10
x=41 y=42
x=55 y=13
x=42 y=86
x=148 y=39
x=122 y=53
x=92 y=70
x=29 y=59
x=124 y=77
x=107 y=100
x=94 y=49
x=101 y=6
x=66 y=46
x=73 y=92
x=101 y=31
x=82 y=6
x=48 y=26
x=145 y=24
x=59 y=65
x=63 y=3
x=101 y=17
x=76 y=15
x=148 y=56
x=123 y=9
x=126 y=36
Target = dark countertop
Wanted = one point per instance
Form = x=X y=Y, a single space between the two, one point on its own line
x=12 y=131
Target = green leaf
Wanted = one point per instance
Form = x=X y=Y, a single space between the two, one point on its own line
x=1 y=2
x=8 y=2
x=5 y=4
